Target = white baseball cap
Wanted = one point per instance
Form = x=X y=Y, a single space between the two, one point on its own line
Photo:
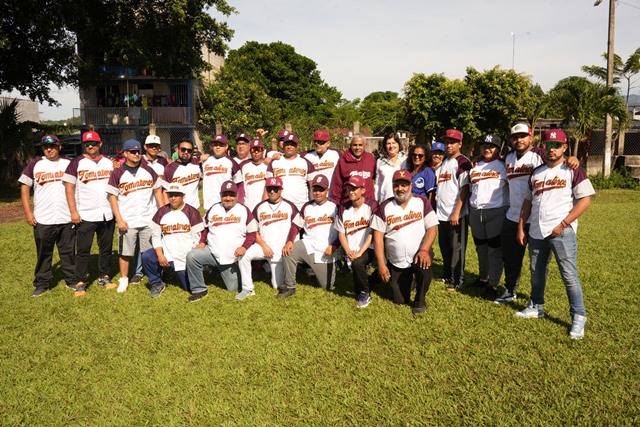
x=520 y=128
x=175 y=187
x=152 y=139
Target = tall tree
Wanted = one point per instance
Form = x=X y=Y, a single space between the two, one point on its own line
x=382 y=112
x=627 y=71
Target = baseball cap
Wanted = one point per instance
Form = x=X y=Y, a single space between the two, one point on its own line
x=131 y=144
x=554 y=135
x=291 y=137
x=401 y=175
x=229 y=186
x=220 y=138
x=520 y=128
x=321 y=135
x=320 y=181
x=175 y=187
x=49 y=139
x=492 y=139
x=256 y=143
x=437 y=146
x=283 y=134
x=242 y=136
x=90 y=136
x=274 y=182
x=356 y=181
x=453 y=134
x=152 y=139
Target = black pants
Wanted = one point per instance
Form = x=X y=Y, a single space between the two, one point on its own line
x=47 y=237
x=401 y=279
x=360 y=276
x=453 y=246
x=84 y=240
x=512 y=254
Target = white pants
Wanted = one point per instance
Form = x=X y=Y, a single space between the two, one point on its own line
x=255 y=253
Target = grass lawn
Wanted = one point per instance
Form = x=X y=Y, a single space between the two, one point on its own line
x=314 y=359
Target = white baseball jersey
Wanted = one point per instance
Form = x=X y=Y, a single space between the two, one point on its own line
x=135 y=194
x=518 y=173
x=488 y=185
x=157 y=165
x=384 y=174
x=404 y=229
x=227 y=230
x=319 y=231
x=176 y=232
x=253 y=180
x=325 y=164
x=49 y=202
x=355 y=223
x=453 y=176
x=90 y=178
x=216 y=171
x=274 y=224
x=240 y=161
x=189 y=176
x=553 y=193
x=294 y=173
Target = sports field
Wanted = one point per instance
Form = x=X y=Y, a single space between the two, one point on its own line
x=314 y=359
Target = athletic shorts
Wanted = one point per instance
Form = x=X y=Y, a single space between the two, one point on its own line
x=127 y=241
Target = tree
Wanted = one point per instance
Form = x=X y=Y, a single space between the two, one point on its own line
x=627 y=71
x=382 y=112
x=38 y=40
x=535 y=104
x=16 y=143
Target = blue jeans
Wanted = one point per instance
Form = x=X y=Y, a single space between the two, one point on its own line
x=154 y=270
x=197 y=259
x=565 y=250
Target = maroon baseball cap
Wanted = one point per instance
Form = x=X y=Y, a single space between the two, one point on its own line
x=356 y=181
x=320 y=181
x=256 y=143
x=220 y=138
x=242 y=136
x=321 y=135
x=283 y=134
x=90 y=136
x=401 y=175
x=453 y=134
x=228 y=186
x=291 y=137
x=274 y=182
x=557 y=135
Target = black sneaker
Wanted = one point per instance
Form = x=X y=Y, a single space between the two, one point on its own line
x=157 y=289
x=198 y=296
x=39 y=291
x=136 y=280
x=491 y=293
x=418 y=310
x=285 y=292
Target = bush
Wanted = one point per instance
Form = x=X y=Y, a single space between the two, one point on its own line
x=619 y=178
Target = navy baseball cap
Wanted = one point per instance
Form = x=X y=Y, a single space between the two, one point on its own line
x=131 y=144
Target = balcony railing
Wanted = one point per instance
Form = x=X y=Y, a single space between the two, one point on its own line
x=123 y=116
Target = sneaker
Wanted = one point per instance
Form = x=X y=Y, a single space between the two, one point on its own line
x=441 y=280
x=364 y=298
x=106 y=282
x=123 y=284
x=136 y=279
x=39 y=291
x=157 y=289
x=285 y=292
x=490 y=293
x=81 y=289
x=244 y=294
x=418 y=310
x=450 y=286
x=577 y=327
x=532 y=311
x=480 y=283
x=507 y=296
x=198 y=296
x=72 y=287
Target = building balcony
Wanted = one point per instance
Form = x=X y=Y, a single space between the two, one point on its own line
x=132 y=116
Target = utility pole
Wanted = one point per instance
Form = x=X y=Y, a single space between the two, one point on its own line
x=608 y=125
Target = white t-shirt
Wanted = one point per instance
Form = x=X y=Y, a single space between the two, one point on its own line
x=253 y=180
x=355 y=223
x=136 y=201
x=228 y=230
x=177 y=232
x=216 y=171
x=453 y=176
x=295 y=173
x=90 y=178
x=189 y=176
x=488 y=185
x=319 y=231
x=518 y=173
x=49 y=201
x=274 y=224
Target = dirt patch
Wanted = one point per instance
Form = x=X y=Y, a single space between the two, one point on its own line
x=11 y=212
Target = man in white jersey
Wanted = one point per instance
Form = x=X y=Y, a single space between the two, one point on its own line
x=324 y=158
x=186 y=172
x=404 y=229
x=230 y=231
x=50 y=217
x=253 y=173
x=319 y=242
x=175 y=230
x=295 y=172
x=355 y=236
x=274 y=216
x=452 y=209
x=242 y=147
x=216 y=170
x=152 y=147
x=557 y=197
x=85 y=181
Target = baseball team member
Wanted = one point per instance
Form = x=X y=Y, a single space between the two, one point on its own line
x=85 y=182
x=318 y=244
x=324 y=158
x=186 y=172
x=354 y=161
x=275 y=217
x=294 y=171
x=404 y=229
x=242 y=148
x=132 y=189
x=355 y=236
x=452 y=209
x=488 y=200
x=175 y=230
x=152 y=147
x=230 y=231
x=557 y=197
x=216 y=170
x=50 y=217
x=253 y=173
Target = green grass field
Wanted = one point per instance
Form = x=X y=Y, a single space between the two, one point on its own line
x=314 y=359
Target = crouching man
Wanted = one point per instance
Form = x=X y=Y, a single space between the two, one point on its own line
x=175 y=230
x=230 y=231
x=404 y=229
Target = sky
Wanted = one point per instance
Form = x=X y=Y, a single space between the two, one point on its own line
x=363 y=46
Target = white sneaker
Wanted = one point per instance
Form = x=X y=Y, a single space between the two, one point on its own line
x=123 y=284
x=532 y=311
x=244 y=294
x=577 y=327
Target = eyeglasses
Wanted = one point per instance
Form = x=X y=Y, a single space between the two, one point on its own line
x=553 y=145
x=418 y=156
x=186 y=150
x=91 y=143
x=134 y=152
x=273 y=189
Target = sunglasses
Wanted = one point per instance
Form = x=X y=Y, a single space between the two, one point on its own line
x=553 y=145
x=186 y=150
x=134 y=152
x=49 y=140
x=49 y=146
x=256 y=149
x=91 y=143
x=418 y=156
x=273 y=189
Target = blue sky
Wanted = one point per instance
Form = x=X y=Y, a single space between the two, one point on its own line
x=365 y=46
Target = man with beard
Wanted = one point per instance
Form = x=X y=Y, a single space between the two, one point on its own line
x=186 y=172
x=216 y=170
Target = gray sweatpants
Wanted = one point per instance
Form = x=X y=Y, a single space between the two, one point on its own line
x=325 y=273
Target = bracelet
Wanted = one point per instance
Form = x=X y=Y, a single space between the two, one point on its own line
x=564 y=224
x=423 y=250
